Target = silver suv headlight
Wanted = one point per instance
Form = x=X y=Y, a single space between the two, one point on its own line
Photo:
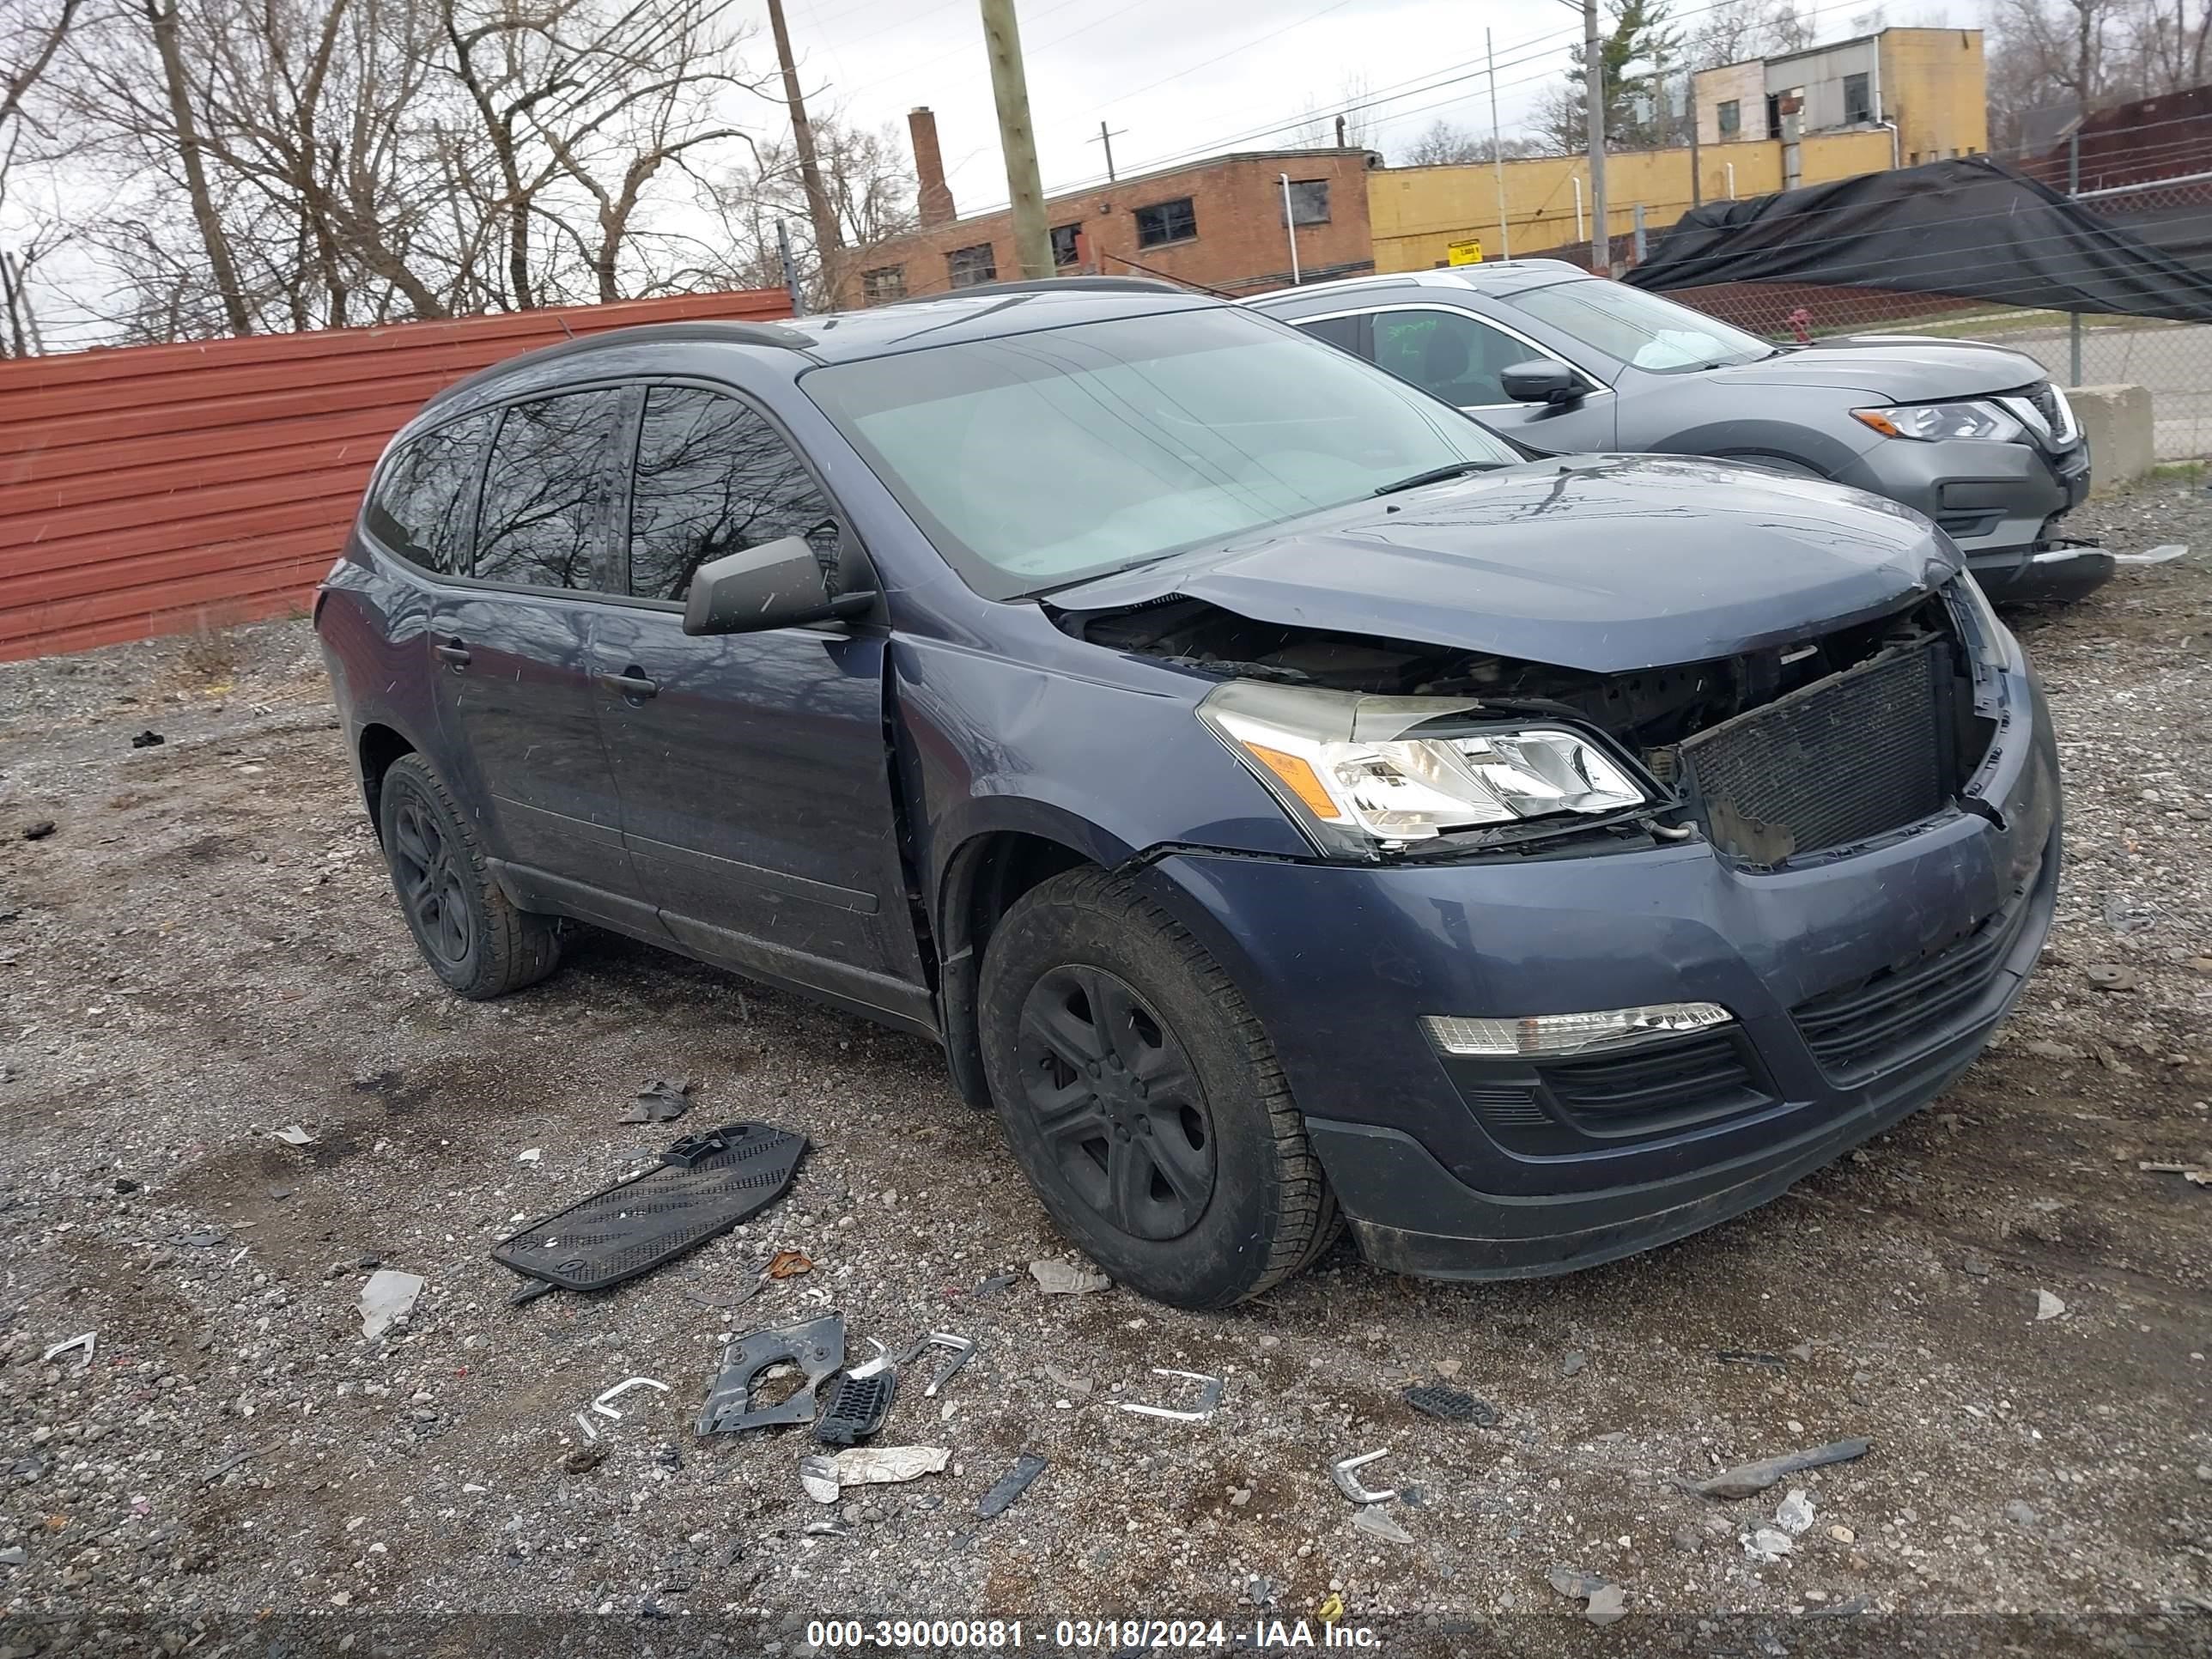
x=1931 y=421
x=1361 y=774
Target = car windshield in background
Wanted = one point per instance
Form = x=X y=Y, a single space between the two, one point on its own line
x=1633 y=327
x=1038 y=460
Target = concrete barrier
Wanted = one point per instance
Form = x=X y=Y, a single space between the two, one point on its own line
x=2117 y=420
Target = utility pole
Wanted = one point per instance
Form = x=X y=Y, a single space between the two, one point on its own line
x=2073 y=189
x=1497 y=152
x=1107 y=138
x=1593 y=114
x=827 y=242
x=1002 y=39
x=1690 y=107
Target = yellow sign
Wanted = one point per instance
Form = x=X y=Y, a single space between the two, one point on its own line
x=1463 y=253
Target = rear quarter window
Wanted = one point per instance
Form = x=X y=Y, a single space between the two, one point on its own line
x=424 y=499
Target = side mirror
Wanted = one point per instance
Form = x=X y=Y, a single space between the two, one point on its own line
x=1542 y=381
x=778 y=584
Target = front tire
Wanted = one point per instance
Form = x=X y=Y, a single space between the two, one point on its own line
x=1143 y=1098
x=471 y=935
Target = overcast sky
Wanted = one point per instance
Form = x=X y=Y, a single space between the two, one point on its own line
x=1187 y=77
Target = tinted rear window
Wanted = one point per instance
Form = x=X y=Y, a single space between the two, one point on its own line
x=547 y=492
x=423 y=498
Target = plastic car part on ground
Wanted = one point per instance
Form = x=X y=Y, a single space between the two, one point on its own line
x=960 y=1347
x=660 y=1101
x=1209 y=1397
x=858 y=1407
x=1453 y=1404
x=1057 y=1278
x=387 y=1296
x=825 y=1477
x=818 y=1348
x=1749 y=1480
x=1341 y=1473
x=1010 y=1484
x=704 y=1185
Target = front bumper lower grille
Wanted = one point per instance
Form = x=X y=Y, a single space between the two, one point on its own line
x=1553 y=1106
x=1886 y=1019
x=1848 y=758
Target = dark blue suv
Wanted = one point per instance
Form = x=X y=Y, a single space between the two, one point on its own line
x=1280 y=800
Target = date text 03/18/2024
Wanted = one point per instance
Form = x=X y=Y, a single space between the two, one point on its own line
x=1109 y=1634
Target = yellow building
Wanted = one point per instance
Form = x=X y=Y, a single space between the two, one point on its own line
x=1924 y=87
x=1418 y=214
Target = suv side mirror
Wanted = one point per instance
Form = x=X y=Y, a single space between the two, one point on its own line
x=778 y=584
x=1542 y=381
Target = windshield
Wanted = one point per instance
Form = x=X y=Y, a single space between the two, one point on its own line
x=1038 y=460
x=1640 y=329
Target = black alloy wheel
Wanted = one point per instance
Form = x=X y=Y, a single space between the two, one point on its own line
x=429 y=876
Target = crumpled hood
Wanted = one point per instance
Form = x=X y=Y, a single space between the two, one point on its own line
x=1897 y=368
x=1604 y=563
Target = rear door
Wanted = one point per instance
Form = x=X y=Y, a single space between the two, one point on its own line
x=754 y=771
x=513 y=651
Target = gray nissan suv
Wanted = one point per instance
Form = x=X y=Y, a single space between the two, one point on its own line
x=1974 y=436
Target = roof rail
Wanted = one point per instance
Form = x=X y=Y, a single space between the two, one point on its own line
x=1050 y=284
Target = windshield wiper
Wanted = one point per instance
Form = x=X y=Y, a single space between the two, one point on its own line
x=1438 y=475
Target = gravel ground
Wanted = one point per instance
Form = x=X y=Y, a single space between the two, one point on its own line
x=205 y=952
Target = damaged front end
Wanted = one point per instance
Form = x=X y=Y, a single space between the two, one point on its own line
x=1397 y=750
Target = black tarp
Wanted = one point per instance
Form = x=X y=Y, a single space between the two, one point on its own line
x=1971 y=228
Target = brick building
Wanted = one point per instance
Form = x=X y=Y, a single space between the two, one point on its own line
x=1217 y=223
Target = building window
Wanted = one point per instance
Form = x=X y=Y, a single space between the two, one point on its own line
x=1065 y=249
x=1858 y=105
x=965 y=267
x=1309 y=201
x=1166 y=221
x=1774 y=115
x=1731 y=117
x=881 y=285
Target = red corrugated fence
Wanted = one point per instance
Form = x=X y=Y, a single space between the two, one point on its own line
x=152 y=490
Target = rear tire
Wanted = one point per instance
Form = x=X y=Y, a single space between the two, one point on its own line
x=1143 y=1098
x=473 y=937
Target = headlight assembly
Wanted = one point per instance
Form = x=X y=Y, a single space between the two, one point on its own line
x=1361 y=773
x=1930 y=422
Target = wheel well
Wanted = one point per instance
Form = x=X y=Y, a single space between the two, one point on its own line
x=379 y=746
x=988 y=876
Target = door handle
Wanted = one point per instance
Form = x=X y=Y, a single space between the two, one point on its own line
x=631 y=682
x=454 y=652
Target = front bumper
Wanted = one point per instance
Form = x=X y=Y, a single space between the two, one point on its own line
x=2001 y=503
x=1439 y=1175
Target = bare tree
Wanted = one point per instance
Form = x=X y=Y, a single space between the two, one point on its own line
x=869 y=186
x=1444 y=144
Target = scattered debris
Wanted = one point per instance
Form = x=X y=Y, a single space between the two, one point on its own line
x=1802 y=1353
x=584 y=1424
x=1209 y=1398
x=829 y=1528
x=386 y=1297
x=1377 y=1522
x=39 y=830
x=789 y=1264
x=704 y=1185
x=1010 y=1484
x=2196 y=1175
x=860 y=1405
x=1065 y=1382
x=2112 y=976
x=1330 y=1610
x=996 y=1285
x=293 y=1135
x=2048 y=1306
x=1340 y=1472
x=1058 y=1278
x=602 y=1405
x=584 y=1459
x=2162 y=553
x=2021 y=1515
x=87 y=1340
x=1795 y=1514
x=818 y=1348
x=225 y=1466
x=278 y=1194
x=660 y=1101
x=1605 y=1602
x=1453 y=1404
x=1574 y=1361
x=147 y=740
x=1262 y=1592
x=1749 y=1480
x=824 y=1477
x=959 y=1347
x=13 y=1556
x=1975 y=1266
x=1766 y=1544
x=1772 y=1362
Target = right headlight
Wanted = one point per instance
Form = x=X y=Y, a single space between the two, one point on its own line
x=1929 y=422
x=1361 y=774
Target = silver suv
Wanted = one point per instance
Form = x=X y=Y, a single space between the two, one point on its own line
x=1972 y=436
